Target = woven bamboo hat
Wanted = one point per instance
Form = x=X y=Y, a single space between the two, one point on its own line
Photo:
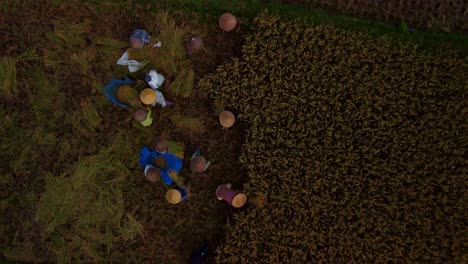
x=227 y=119
x=239 y=200
x=198 y=164
x=161 y=144
x=148 y=96
x=195 y=43
x=173 y=196
x=153 y=175
x=227 y=22
x=140 y=115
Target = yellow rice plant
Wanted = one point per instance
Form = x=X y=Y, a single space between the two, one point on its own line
x=91 y=117
x=70 y=34
x=189 y=124
x=47 y=100
x=8 y=83
x=183 y=84
x=86 y=206
x=171 y=56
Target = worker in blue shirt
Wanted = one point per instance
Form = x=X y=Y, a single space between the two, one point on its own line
x=171 y=168
x=153 y=174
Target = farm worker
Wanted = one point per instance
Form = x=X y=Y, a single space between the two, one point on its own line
x=152 y=97
x=235 y=198
x=154 y=79
x=227 y=119
x=198 y=163
x=161 y=145
x=137 y=40
x=168 y=162
x=154 y=174
x=176 y=195
x=194 y=43
x=112 y=88
x=172 y=165
x=148 y=156
x=227 y=22
x=143 y=116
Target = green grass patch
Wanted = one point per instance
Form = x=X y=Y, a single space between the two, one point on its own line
x=87 y=207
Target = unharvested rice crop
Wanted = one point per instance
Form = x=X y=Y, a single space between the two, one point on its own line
x=356 y=147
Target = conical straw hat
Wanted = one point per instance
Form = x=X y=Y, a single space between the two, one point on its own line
x=148 y=96
x=195 y=43
x=153 y=175
x=227 y=22
x=173 y=196
x=161 y=144
x=227 y=119
x=198 y=164
x=239 y=200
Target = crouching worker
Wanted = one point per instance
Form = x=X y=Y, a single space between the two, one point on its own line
x=152 y=97
x=152 y=173
x=159 y=170
x=155 y=174
x=176 y=195
x=120 y=92
x=167 y=162
x=198 y=163
x=143 y=116
x=134 y=54
x=194 y=44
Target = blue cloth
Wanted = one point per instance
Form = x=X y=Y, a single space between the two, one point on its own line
x=183 y=192
x=146 y=157
x=165 y=177
x=172 y=161
x=110 y=90
x=141 y=35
